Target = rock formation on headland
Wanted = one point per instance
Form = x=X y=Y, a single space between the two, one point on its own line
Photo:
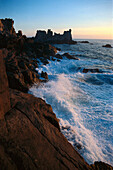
x=66 y=37
x=30 y=136
x=6 y=27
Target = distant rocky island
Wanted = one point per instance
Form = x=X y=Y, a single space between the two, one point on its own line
x=30 y=135
x=66 y=37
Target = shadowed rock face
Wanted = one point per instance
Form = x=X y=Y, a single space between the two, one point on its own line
x=6 y=27
x=65 y=38
x=4 y=89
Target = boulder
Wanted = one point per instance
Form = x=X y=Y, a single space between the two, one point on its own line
x=4 y=89
x=95 y=70
x=19 y=34
x=101 y=166
x=107 y=46
x=67 y=55
x=44 y=75
x=86 y=42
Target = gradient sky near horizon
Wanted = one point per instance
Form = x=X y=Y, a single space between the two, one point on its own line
x=87 y=18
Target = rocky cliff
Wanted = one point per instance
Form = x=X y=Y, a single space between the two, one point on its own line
x=30 y=136
x=4 y=90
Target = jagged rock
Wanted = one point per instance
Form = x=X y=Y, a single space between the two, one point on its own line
x=96 y=70
x=4 y=89
x=65 y=38
x=19 y=34
x=69 y=56
x=44 y=75
x=58 y=56
x=107 y=46
x=20 y=71
x=6 y=27
x=30 y=137
x=101 y=166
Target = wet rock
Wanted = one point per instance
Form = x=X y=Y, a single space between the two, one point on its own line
x=92 y=70
x=84 y=42
x=101 y=166
x=59 y=49
x=67 y=55
x=107 y=46
x=44 y=75
x=58 y=56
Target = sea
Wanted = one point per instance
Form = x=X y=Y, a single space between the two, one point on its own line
x=82 y=101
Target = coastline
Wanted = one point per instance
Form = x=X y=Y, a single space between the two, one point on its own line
x=29 y=121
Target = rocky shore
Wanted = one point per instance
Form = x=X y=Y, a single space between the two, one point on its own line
x=30 y=136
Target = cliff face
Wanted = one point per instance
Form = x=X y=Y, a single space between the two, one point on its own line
x=6 y=27
x=4 y=90
x=42 y=36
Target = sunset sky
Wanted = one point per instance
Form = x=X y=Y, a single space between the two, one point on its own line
x=87 y=18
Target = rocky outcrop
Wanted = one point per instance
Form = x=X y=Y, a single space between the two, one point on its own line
x=4 y=89
x=67 y=55
x=65 y=38
x=101 y=166
x=30 y=137
x=20 y=70
x=107 y=46
x=44 y=75
x=96 y=70
x=6 y=27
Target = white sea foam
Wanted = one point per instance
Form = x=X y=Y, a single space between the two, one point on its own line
x=84 y=105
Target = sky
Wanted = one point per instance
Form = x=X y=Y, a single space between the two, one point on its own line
x=88 y=19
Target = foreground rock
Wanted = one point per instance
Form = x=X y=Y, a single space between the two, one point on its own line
x=107 y=46
x=4 y=89
x=30 y=137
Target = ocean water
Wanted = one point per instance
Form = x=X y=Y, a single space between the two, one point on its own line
x=83 y=102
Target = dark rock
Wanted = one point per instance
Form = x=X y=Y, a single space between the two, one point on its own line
x=6 y=27
x=84 y=42
x=101 y=166
x=20 y=71
x=59 y=49
x=53 y=59
x=96 y=70
x=19 y=34
x=70 y=56
x=58 y=60
x=58 y=56
x=107 y=46
x=42 y=36
x=44 y=75
x=4 y=89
